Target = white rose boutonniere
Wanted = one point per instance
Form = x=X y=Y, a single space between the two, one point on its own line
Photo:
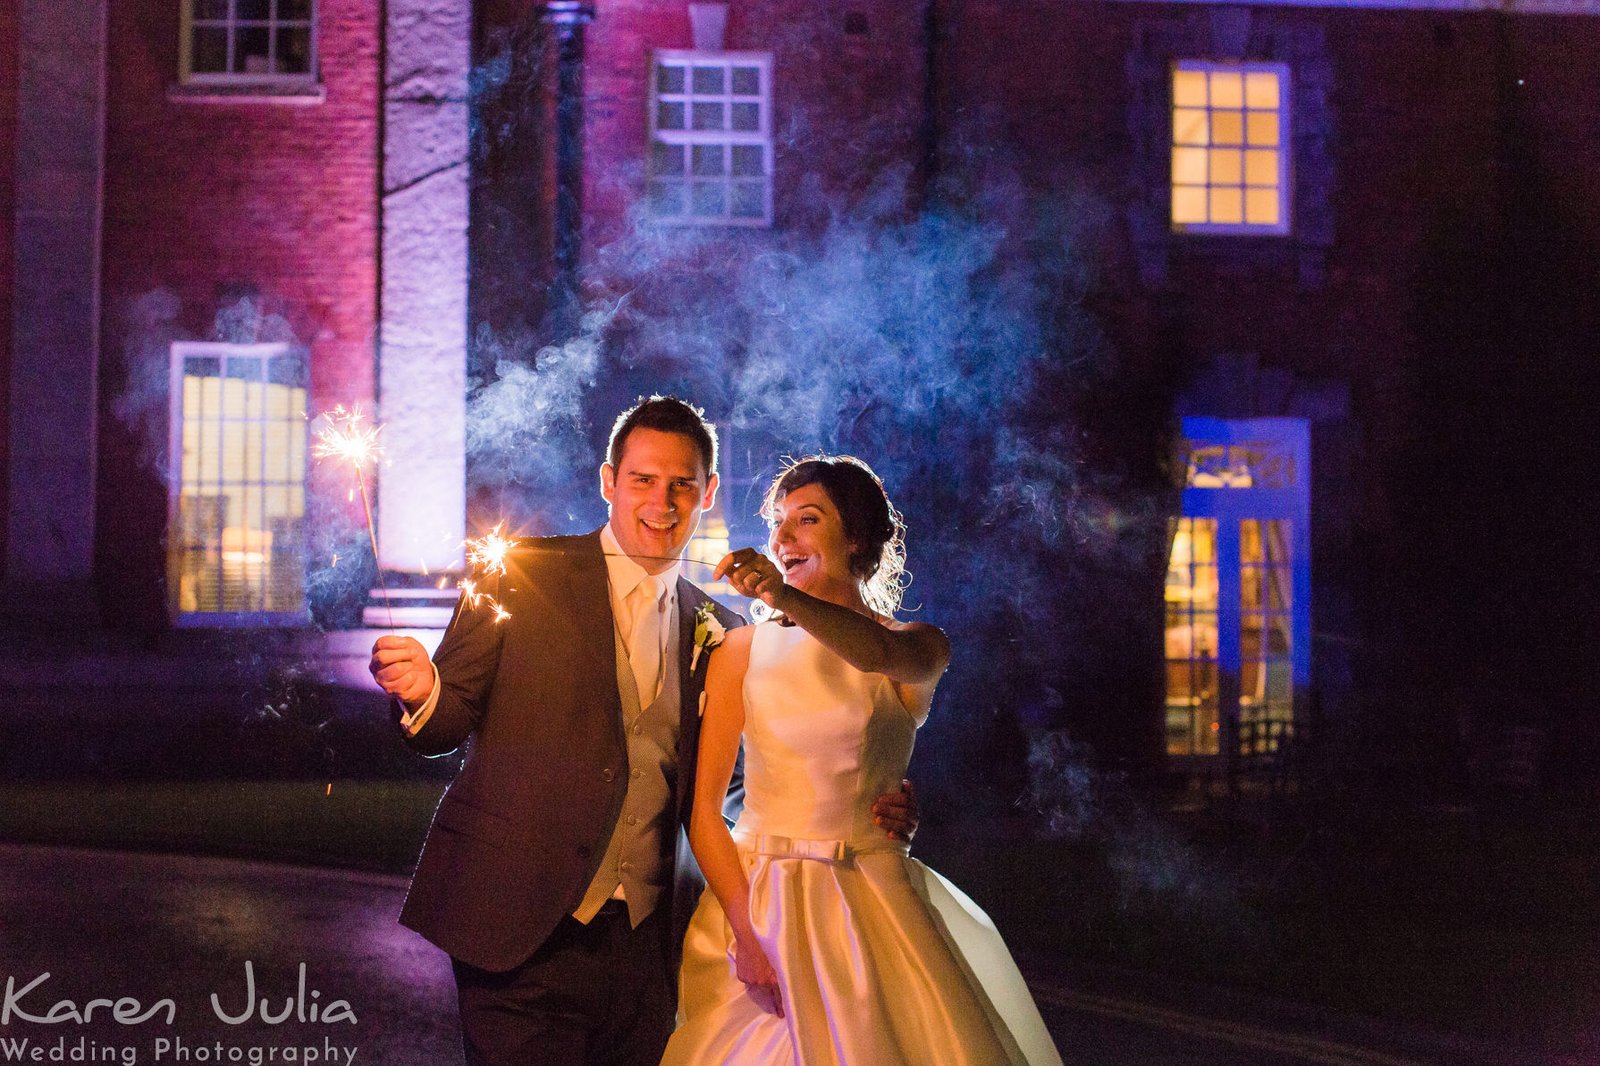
x=708 y=632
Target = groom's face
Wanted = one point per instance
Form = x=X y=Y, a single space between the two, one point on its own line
x=656 y=491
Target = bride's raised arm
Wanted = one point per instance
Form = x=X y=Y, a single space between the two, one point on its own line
x=913 y=653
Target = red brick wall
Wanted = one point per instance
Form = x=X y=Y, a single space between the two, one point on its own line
x=1055 y=77
x=8 y=217
x=1414 y=112
x=828 y=85
x=1414 y=108
x=1456 y=302
x=208 y=200
x=1563 y=107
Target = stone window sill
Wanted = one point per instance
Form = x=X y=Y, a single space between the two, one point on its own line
x=301 y=93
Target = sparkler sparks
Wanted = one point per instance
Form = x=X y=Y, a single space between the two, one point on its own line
x=487 y=555
x=488 y=552
x=348 y=436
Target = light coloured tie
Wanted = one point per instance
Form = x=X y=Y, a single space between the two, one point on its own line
x=644 y=643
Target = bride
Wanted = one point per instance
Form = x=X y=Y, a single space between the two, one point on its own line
x=822 y=941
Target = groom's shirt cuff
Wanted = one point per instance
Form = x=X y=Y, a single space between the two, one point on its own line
x=413 y=721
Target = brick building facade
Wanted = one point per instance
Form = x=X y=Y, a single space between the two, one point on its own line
x=1410 y=305
x=213 y=205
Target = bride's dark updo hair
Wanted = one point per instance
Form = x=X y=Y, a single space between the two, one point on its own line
x=875 y=530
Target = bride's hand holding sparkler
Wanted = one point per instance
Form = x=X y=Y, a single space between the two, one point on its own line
x=401 y=667
x=752 y=574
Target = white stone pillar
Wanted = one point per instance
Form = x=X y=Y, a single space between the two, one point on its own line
x=422 y=360
x=60 y=162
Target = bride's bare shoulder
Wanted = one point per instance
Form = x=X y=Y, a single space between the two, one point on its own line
x=902 y=626
x=740 y=636
x=932 y=645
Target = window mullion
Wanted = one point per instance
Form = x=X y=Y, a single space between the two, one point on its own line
x=724 y=197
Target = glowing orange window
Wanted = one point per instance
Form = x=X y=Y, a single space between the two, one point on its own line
x=1230 y=148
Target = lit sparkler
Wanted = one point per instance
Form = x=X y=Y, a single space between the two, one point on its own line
x=349 y=437
x=488 y=552
x=487 y=555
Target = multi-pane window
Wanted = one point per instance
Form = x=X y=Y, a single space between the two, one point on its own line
x=1266 y=635
x=249 y=40
x=1230 y=138
x=1238 y=589
x=711 y=138
x=1193 y=718
x=235 y=538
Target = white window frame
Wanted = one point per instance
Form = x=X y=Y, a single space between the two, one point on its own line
x=182 y=351
x=187 y=75
x=729 y=138
x=1284 y=225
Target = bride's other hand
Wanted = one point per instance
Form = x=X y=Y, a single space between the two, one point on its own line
x=751 y=574
x=751 y=965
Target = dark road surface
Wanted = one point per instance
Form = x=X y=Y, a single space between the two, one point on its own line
x=173 y=938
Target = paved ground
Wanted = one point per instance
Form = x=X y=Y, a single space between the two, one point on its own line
x=172 y=933
x=111 y=925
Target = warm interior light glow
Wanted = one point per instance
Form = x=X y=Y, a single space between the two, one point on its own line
x=1261 y=167
x=1191 y=638
x=1189 y=166
x=1265 y=645
x=1226 y=205
x=1188 y=88
x=1261 y=90
x=1227 y=166
x=235 y=542
x=1227 y=162
x=243 y=545
x=1263 y=128
x=1261 y=206
x=1190 y=127
x=708 y=545
x=1188 y=204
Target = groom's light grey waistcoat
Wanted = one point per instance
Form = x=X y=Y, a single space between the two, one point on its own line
x=639 y=854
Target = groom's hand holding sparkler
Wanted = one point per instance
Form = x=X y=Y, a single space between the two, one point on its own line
x=401 y=667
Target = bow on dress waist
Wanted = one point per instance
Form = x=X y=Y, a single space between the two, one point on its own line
x=835 y=851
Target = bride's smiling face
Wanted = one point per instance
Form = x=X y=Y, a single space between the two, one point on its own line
x=809 y=544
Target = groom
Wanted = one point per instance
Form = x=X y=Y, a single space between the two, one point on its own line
x=555 y=873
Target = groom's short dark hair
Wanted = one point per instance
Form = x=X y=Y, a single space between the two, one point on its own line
x=669 y=415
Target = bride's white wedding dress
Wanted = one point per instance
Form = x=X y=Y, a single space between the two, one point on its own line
x=879 y=959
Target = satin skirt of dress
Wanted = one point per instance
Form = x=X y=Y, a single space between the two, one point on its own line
x=880 y=961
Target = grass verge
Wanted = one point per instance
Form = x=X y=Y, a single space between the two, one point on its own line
x=365 y=825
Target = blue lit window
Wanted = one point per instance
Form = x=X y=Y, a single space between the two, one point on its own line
x=1238 y=590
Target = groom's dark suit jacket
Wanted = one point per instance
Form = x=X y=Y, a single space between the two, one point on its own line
x=521 y=830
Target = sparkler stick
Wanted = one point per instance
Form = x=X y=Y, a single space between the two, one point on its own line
x=487 y=555
x=348 y=437
x=660 y=558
